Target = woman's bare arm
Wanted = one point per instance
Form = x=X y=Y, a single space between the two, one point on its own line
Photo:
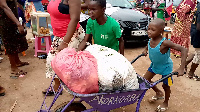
x=82 y=45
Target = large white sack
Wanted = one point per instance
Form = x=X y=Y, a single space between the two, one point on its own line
x=114 y=71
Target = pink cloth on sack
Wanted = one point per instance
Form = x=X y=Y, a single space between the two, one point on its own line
x=78 y=70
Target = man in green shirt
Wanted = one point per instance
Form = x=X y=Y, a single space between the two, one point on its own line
x=104 y=29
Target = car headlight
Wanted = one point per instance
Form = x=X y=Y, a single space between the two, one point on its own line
x=122 y=29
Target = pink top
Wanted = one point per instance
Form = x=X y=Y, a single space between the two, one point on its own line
x=59 y=21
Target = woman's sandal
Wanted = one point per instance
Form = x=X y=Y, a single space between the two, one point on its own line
x=161 y=109
x=15 y=75
x=155 y=98
x=194 y=77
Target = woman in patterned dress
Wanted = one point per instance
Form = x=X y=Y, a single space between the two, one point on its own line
x=13 y=35
x=67 y=32
x=181 y=30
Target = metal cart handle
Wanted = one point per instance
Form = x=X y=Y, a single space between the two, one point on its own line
x=162 y=79
x=137 y=58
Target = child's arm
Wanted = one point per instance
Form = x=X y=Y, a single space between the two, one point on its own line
x=184 y=51
x=82 y=45
x=121 y=45
x=145 y=51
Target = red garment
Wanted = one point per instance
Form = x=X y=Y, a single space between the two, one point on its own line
x=182 y=26
x=45 y=1
x=59 y=21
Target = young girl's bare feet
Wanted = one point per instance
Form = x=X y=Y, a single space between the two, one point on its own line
x=163 y=107
x=158 y=96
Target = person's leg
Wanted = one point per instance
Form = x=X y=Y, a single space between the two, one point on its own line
x=166 y=86
x=12 y=58
x=14 y=69
x=189 y=59
x=195 y=63
x=57 y=84
x=19 y=63
x=193 y=69
x=148 y=76
x=167 y=95
x=49 y=71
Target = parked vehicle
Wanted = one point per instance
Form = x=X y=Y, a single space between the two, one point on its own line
x=133 y=23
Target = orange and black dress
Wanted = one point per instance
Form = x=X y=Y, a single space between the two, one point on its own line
x=13 y=41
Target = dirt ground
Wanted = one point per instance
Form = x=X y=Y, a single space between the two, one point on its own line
x=27 y=91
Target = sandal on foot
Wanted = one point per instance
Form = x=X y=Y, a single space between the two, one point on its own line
x=194 y=77
x=22 y=64
x=154 y=98
x=161 y=109
x=15 y=75
x=50 y=92
x=189 y=76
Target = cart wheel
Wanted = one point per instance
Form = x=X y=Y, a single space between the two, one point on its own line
x=75 y=107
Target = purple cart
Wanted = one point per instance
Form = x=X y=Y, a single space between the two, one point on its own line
x=103 y=102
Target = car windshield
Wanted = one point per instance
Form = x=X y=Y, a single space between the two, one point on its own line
x=120 y=3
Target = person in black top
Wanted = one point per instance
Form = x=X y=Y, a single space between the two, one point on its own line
x=195 y=41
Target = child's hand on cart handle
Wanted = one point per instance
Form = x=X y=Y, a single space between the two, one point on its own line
x=180 y=71
x=145 y=52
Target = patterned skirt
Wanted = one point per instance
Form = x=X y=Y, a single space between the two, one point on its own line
x=74 y=43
